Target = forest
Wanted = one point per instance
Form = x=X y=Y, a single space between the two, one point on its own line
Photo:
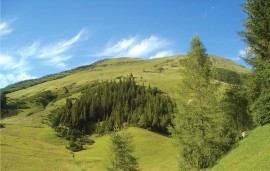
x=112 y=106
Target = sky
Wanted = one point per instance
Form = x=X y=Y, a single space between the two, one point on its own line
x=41 y=37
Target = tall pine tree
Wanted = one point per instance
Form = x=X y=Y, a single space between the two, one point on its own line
x=257 y=38
x=197 y=125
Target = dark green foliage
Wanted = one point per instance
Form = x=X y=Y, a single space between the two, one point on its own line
x=198 y=128
x=235 y=106
x=68 y=133
x=226 y=76
x=9 y=112
x=120 y=156
x=257 y=38
x=43 y=98
x=76 y=139
x=14 y=107
x=257 y=31
x=10 y=109
x=3 y=99
x=74 y=144
x=112 y=104
x=261 y=108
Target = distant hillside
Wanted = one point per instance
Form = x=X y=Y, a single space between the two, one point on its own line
x=32 y=82
x=147 y=69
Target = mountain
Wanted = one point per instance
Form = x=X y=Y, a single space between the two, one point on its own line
x=29 y=143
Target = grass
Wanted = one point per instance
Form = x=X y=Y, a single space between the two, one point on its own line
x=27 y=143
x=29 y=148
x=252 y=153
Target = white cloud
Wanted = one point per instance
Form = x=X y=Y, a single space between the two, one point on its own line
x=244 y=52
x=146 y=46
x=59 y=61
x=55 y=49
x=4 y=29
x=13 y=70
x=15 y=65
x=12 y=78
x=135 y=47
x=162 y=54
x=6 y=62
x=9 y=63
x=53 y=54
x=119 y=48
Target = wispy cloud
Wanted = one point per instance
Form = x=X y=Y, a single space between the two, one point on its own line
x=136 y=47
x=54 y=54
x=4 y=29
x=6 y=79
x=10 y=63
x=163 y=54
x=13 y=70
x=29 y=50
x=16 y=65
x=55 y=49
x=120 y=48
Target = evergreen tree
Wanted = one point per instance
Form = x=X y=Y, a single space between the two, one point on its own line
x=257 y=38
x=235 y=106
x=198 y=123
x=120 y=156
x=3 y=100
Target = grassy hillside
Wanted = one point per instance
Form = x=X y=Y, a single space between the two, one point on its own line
x=37 y=148
x=28 y=143
x=252 y=153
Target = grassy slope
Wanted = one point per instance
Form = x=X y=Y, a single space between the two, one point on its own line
x=252 y=153
x=27 y=142
x=28 y=148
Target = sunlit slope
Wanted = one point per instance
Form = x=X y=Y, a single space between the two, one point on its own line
x=29 y=148
x=252 y=153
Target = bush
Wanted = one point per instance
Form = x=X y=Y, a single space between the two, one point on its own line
x=74 y=145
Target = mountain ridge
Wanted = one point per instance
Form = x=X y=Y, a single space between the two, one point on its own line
x=219 y=62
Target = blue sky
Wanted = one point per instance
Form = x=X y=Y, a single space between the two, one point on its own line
x=40 y=37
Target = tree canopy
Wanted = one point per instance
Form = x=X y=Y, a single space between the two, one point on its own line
x=257 y=38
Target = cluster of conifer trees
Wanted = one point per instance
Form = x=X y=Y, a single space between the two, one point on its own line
x=111 y=105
